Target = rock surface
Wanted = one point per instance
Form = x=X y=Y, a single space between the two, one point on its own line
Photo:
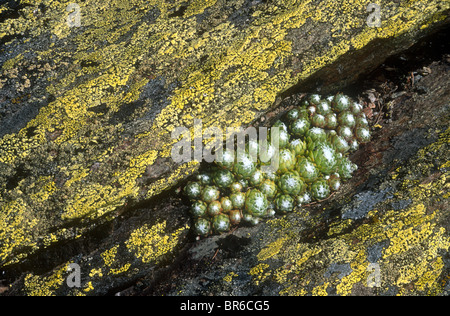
x=385 y=233
x=86 y=115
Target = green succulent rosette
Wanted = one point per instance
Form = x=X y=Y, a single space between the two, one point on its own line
x=268 y=188
x=210 y=193
x=290 y=183
x=226 y=159
x=202 y=227
x=323 y=107
x=346 y=168
x=198 y=209
x=286 y=161
x=244 y=166
x=316 y=135
x=325 y=158
x=236 y=187
x=235 y=217
x=318 y=120
x=300 y=126
x=320 y=190
x=292 y=115
x=226 y=204
x=256 y=178
x=284 y=203
x=362 y=134
x=297 y=146
x=307 y=169
x=334 y=181
x=193 y=190
x=214 y=208
x=331 y=121
x=256 y=203
x=339 y=143
x=341 y=102
x=221 y=223
x=346 y=118
x=223 y=178
x=238 y=200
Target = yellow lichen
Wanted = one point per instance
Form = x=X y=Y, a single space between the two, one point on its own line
x=359 y=273
x=271 y=249
x=47 y=188
x=96 y=272
x=338 y=227
x=320 y=290
x=16 y=223
x=229 y=277
x=88 y=287
x=109 y=255
x=120 y=270
x=257 y=273
x=35 y=285
x=151 y=244
x=198 y=6
x=109 y=258
x=296 y=256
x=9 y=64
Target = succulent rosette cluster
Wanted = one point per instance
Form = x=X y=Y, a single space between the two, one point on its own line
x=314 y=141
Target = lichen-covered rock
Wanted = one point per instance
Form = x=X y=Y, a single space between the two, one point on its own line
x=386 y=232
x=87 y=111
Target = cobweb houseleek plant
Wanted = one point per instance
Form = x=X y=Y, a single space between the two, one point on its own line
x=315 y=139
